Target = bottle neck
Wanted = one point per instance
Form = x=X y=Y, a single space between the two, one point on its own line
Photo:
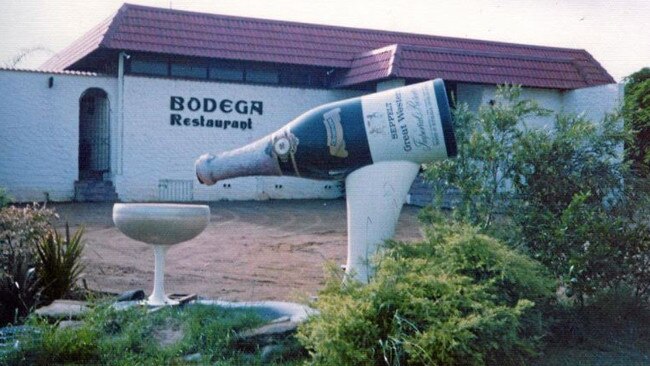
x=249 y=160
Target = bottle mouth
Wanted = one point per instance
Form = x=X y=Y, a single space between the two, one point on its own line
x=202 y=167
x=445 y=118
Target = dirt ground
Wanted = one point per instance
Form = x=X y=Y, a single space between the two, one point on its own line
x=267 y=250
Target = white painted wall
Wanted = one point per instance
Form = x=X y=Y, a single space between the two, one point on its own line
x=594 y=102
x=154 y=149
x=39 y=132
x=476 y=95
x=390 y=84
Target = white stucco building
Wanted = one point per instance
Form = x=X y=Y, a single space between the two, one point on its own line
x=123 y=113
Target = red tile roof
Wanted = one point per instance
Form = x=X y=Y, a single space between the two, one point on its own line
x=369 y=66
x=88 y=43
x=414 y=62
x=364 y=55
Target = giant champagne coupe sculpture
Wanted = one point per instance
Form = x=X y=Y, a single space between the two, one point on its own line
x=375 y=142
x=161 y=225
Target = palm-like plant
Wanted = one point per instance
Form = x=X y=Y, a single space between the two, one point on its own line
x=19 y=288
x=59 y=262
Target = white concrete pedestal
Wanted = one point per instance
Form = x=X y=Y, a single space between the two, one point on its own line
x=375 y=195
x=158 y=296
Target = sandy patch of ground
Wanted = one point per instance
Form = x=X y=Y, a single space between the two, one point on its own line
x=268 y=250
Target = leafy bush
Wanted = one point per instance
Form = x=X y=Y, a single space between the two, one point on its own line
x=22 y=227
x=457 y=298
x=59 y=262
x=20 y=230
x=591 y=248
x=563 y=193
x=582 y=213
x=636 y=110
x=574 y=156
x=485 y=166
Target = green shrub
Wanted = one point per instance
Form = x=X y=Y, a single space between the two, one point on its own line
x=457 y=298
x=563 y=193
x=485 y=166
x=590 y=248
x=20 y=231
x=583 y=214
x=636 y=110
x=59 y=262
x=22 y=227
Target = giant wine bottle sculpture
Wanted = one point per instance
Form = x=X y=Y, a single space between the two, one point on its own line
x=375 y=142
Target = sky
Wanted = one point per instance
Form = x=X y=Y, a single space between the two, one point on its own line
x=615 y=32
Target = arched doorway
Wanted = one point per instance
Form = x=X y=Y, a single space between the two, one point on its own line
x=94 y=135
x=94 y=184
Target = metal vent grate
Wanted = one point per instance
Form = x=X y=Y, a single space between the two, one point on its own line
x=175 y=190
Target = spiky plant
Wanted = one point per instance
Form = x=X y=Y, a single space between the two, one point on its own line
x=59 y=262
x=19 y=289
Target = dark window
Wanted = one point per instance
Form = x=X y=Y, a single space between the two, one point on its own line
x=226 y=73
x=189 y=71
x=262 y=76
x=149 y=67
x=227 y=70
x=297 y=78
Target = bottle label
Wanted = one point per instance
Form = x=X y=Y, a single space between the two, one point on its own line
x=335 y=138
x=404 y=124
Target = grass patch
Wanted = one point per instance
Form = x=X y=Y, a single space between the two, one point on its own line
x=134 y=336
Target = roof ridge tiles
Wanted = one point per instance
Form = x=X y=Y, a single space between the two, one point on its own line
x=459 y=51
x=361 y=31
x=344 y=28
x=395 y=60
